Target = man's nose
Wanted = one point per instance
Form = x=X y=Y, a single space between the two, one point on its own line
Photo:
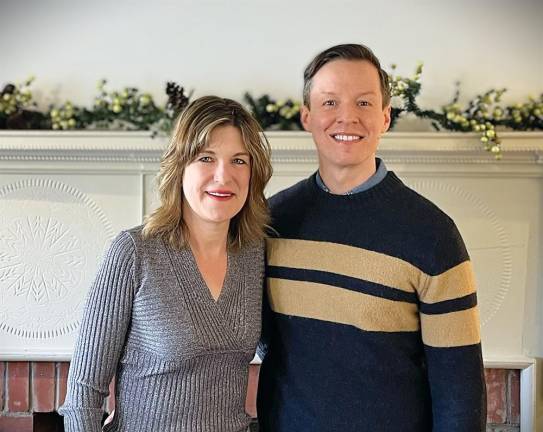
x=348 y=114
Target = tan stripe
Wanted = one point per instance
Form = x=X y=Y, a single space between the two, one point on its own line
x=345 y=260
x=451 y=329
x=456 y=282
x=328 y=303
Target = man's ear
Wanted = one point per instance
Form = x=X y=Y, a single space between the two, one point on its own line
x=305 y=117
x=387 y=118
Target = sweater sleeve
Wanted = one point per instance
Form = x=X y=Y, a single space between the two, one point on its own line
x=101 y=338
x=450 y=329
x=265 y=333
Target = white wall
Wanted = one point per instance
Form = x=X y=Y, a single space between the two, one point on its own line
x=227 y=47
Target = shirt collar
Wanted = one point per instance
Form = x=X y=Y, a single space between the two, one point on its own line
x=378 y=176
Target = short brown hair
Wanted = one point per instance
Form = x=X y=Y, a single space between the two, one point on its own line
x=345 y=52
x=190 y=135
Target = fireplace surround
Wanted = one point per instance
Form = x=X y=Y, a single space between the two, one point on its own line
x=64 y=195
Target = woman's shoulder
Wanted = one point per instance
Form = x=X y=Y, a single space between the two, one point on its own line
x=132 y=244
x=251 y=256
x=141 y=241
x=253 y=249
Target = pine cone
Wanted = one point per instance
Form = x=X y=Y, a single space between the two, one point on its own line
x=8 y=89
x=26 y=119
x=177 y=100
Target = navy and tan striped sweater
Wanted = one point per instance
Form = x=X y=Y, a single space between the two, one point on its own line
x=371 y=319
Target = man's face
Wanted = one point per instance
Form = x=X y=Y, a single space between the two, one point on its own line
x=346 y=115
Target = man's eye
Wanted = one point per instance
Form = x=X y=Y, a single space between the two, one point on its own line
x=363 y=103
x=205 y=159
x=329 y=102
x=239 y=161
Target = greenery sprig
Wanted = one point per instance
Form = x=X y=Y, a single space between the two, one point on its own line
x=131 y=109
x=273 y=114
x=18 y=109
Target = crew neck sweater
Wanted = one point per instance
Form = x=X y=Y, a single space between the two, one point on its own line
x=370 y=316
x=180 y=358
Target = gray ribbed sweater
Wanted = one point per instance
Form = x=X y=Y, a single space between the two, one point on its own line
x=180 y=358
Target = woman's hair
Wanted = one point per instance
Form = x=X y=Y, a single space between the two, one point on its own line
x=190 y=136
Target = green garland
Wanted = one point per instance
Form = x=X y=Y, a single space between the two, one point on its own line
x=126 y=109
x=130 y=109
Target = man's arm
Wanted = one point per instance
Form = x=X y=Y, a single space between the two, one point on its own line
x=451 y=334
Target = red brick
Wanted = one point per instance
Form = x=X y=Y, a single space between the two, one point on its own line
x=496 y=396
x=252 y=386
x=18 y=377
x=514 y=396
x=2 y=370
x=16 y=423
x=62 y=378
x=110 y=401
x=43 y=387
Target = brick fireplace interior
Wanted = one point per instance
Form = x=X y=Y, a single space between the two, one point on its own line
x=31 y=392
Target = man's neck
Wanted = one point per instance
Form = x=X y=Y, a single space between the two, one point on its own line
x=342 y=180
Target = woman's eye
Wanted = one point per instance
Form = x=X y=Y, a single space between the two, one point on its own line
x=205 y=159
x=239 y=161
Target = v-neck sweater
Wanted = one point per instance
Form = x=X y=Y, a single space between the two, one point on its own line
x=179 y=357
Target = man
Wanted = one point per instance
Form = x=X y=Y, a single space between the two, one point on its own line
x=371 y=320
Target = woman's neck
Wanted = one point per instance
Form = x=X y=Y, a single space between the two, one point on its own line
x=207 y=240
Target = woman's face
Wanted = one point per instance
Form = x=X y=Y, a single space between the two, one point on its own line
x=216 y=183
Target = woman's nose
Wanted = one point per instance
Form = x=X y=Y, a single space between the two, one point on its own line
x=222 y=173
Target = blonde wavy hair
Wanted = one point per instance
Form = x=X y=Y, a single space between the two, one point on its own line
x=190 y=136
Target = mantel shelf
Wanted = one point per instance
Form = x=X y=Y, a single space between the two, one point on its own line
x=413 y=152
x=114 y=141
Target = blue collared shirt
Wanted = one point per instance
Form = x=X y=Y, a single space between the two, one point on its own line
x=378 y=176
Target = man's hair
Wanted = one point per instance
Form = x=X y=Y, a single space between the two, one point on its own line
x=345 y=52
x=190 y=136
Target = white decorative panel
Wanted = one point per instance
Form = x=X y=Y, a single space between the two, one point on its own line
x=150 y=188
x=53 y=232
x=45 y=258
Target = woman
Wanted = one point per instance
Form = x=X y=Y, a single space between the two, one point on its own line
x=174 y=312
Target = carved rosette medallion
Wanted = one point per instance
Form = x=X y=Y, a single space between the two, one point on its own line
x=51 y=239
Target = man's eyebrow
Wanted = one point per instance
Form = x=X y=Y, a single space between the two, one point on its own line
x=369 y=92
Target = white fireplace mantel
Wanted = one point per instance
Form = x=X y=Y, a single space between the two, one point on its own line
x=420 y=148
x=64 y=195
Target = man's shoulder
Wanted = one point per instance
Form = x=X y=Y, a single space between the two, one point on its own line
x=435 y=230
x=422 y=209
x=290 y=205
x=290 y=196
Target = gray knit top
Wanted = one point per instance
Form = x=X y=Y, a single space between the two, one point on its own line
x=180 y=358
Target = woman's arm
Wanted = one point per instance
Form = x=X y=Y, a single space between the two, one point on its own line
x=101 y=339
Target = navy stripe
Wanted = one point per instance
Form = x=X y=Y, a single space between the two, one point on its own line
x=347 y=282
x=454 y=305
